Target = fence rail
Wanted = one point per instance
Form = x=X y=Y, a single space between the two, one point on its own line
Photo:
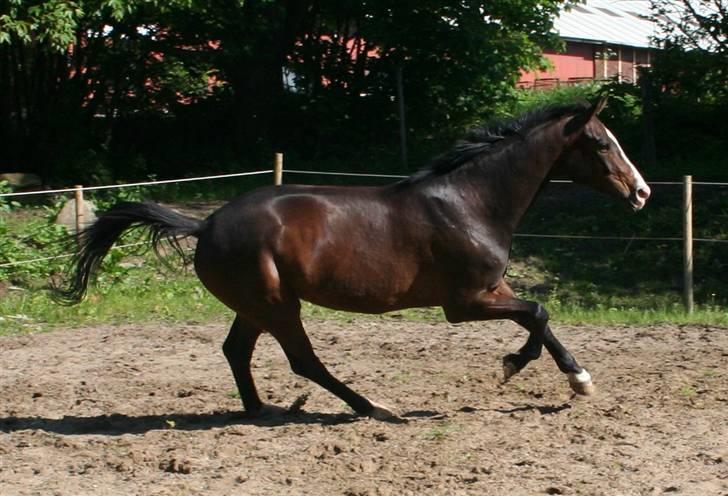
x=130 y=185
x=278 y=173
x=615 y=238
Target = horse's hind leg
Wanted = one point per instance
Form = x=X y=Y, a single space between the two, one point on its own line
x=238 y=349
x=289 y=332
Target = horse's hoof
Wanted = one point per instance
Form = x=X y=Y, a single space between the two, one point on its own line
x=266 y=411
x=581 y=383
x=381 y=412
x=509 y=368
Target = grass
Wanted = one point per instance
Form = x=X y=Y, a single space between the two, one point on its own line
x=688 y=392
x=177 y=299
x=441 y=431
x=674 y=314
x=150 y=295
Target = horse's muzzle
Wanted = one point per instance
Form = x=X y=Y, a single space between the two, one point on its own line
x=638 y=196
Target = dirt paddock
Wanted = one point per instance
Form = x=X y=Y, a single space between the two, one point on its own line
x=150 y=410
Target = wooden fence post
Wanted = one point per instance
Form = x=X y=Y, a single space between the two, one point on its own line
x=278 y=170
x=79 y=210
x=688 y=243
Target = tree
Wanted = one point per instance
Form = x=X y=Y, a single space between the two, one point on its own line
x=457 y=59
x=686 y=89
x=694 y=42
x=69 y=69
x=693 y=25
x=73 y=73
x=33 y=37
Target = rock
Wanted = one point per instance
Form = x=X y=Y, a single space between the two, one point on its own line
x=21 y=180
x=176 y=466
x=67 y=216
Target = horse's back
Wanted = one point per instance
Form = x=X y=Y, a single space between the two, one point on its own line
x=306 y=209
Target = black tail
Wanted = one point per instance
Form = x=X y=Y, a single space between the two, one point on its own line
x=96 y=241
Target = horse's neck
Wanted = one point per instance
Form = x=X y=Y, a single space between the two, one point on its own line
x=509 y=182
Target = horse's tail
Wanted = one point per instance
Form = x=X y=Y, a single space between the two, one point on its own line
x=95 y=241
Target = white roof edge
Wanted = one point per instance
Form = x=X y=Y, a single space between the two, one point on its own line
x=605 y=42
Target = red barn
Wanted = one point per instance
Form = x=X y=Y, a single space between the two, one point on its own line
x=604 y=39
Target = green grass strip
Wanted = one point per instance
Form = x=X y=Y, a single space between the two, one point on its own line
x=143 y=298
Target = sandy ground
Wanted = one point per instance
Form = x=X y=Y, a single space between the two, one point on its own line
x=150 y=410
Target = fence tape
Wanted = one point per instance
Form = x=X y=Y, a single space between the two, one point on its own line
x=129 y=185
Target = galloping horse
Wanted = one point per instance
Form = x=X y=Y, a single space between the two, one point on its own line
x=441 y=237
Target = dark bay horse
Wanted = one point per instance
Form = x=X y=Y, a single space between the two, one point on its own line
x=442 y=237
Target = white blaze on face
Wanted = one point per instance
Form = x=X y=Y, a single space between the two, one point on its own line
x=640 y=190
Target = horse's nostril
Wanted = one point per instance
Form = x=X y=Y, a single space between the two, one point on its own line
x=643 y=193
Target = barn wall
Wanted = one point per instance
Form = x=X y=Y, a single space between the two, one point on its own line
x=576 y=62
x=586 y=61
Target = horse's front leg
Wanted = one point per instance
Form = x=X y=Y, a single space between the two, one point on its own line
x=501 y=303
x=513 y=363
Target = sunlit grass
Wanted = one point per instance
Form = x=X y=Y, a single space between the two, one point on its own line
x=634 y=316
x=179 y=299
x=145 y=297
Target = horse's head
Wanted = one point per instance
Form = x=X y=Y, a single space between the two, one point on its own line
x=595 y=158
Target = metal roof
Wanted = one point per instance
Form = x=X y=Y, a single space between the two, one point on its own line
x=618 y=22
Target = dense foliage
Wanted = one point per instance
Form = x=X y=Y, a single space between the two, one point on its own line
x=687 y=88
x=96 y=89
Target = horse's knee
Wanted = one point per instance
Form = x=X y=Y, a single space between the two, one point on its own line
x=532 y=353
x=534 y=318
x=541 y=315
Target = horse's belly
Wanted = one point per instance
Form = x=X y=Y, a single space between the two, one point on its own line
x=378 y=289
x=367 y=304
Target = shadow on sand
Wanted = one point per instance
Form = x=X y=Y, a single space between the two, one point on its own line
x=119 y=424
x=543 y=410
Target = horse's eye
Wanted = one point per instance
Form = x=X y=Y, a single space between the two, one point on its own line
x=603 y=146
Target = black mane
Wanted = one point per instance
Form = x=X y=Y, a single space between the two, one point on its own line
x=484 y=138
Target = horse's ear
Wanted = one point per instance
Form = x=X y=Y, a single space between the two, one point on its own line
x=579 y=121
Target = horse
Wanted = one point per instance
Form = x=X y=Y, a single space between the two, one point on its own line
x=440 y=237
